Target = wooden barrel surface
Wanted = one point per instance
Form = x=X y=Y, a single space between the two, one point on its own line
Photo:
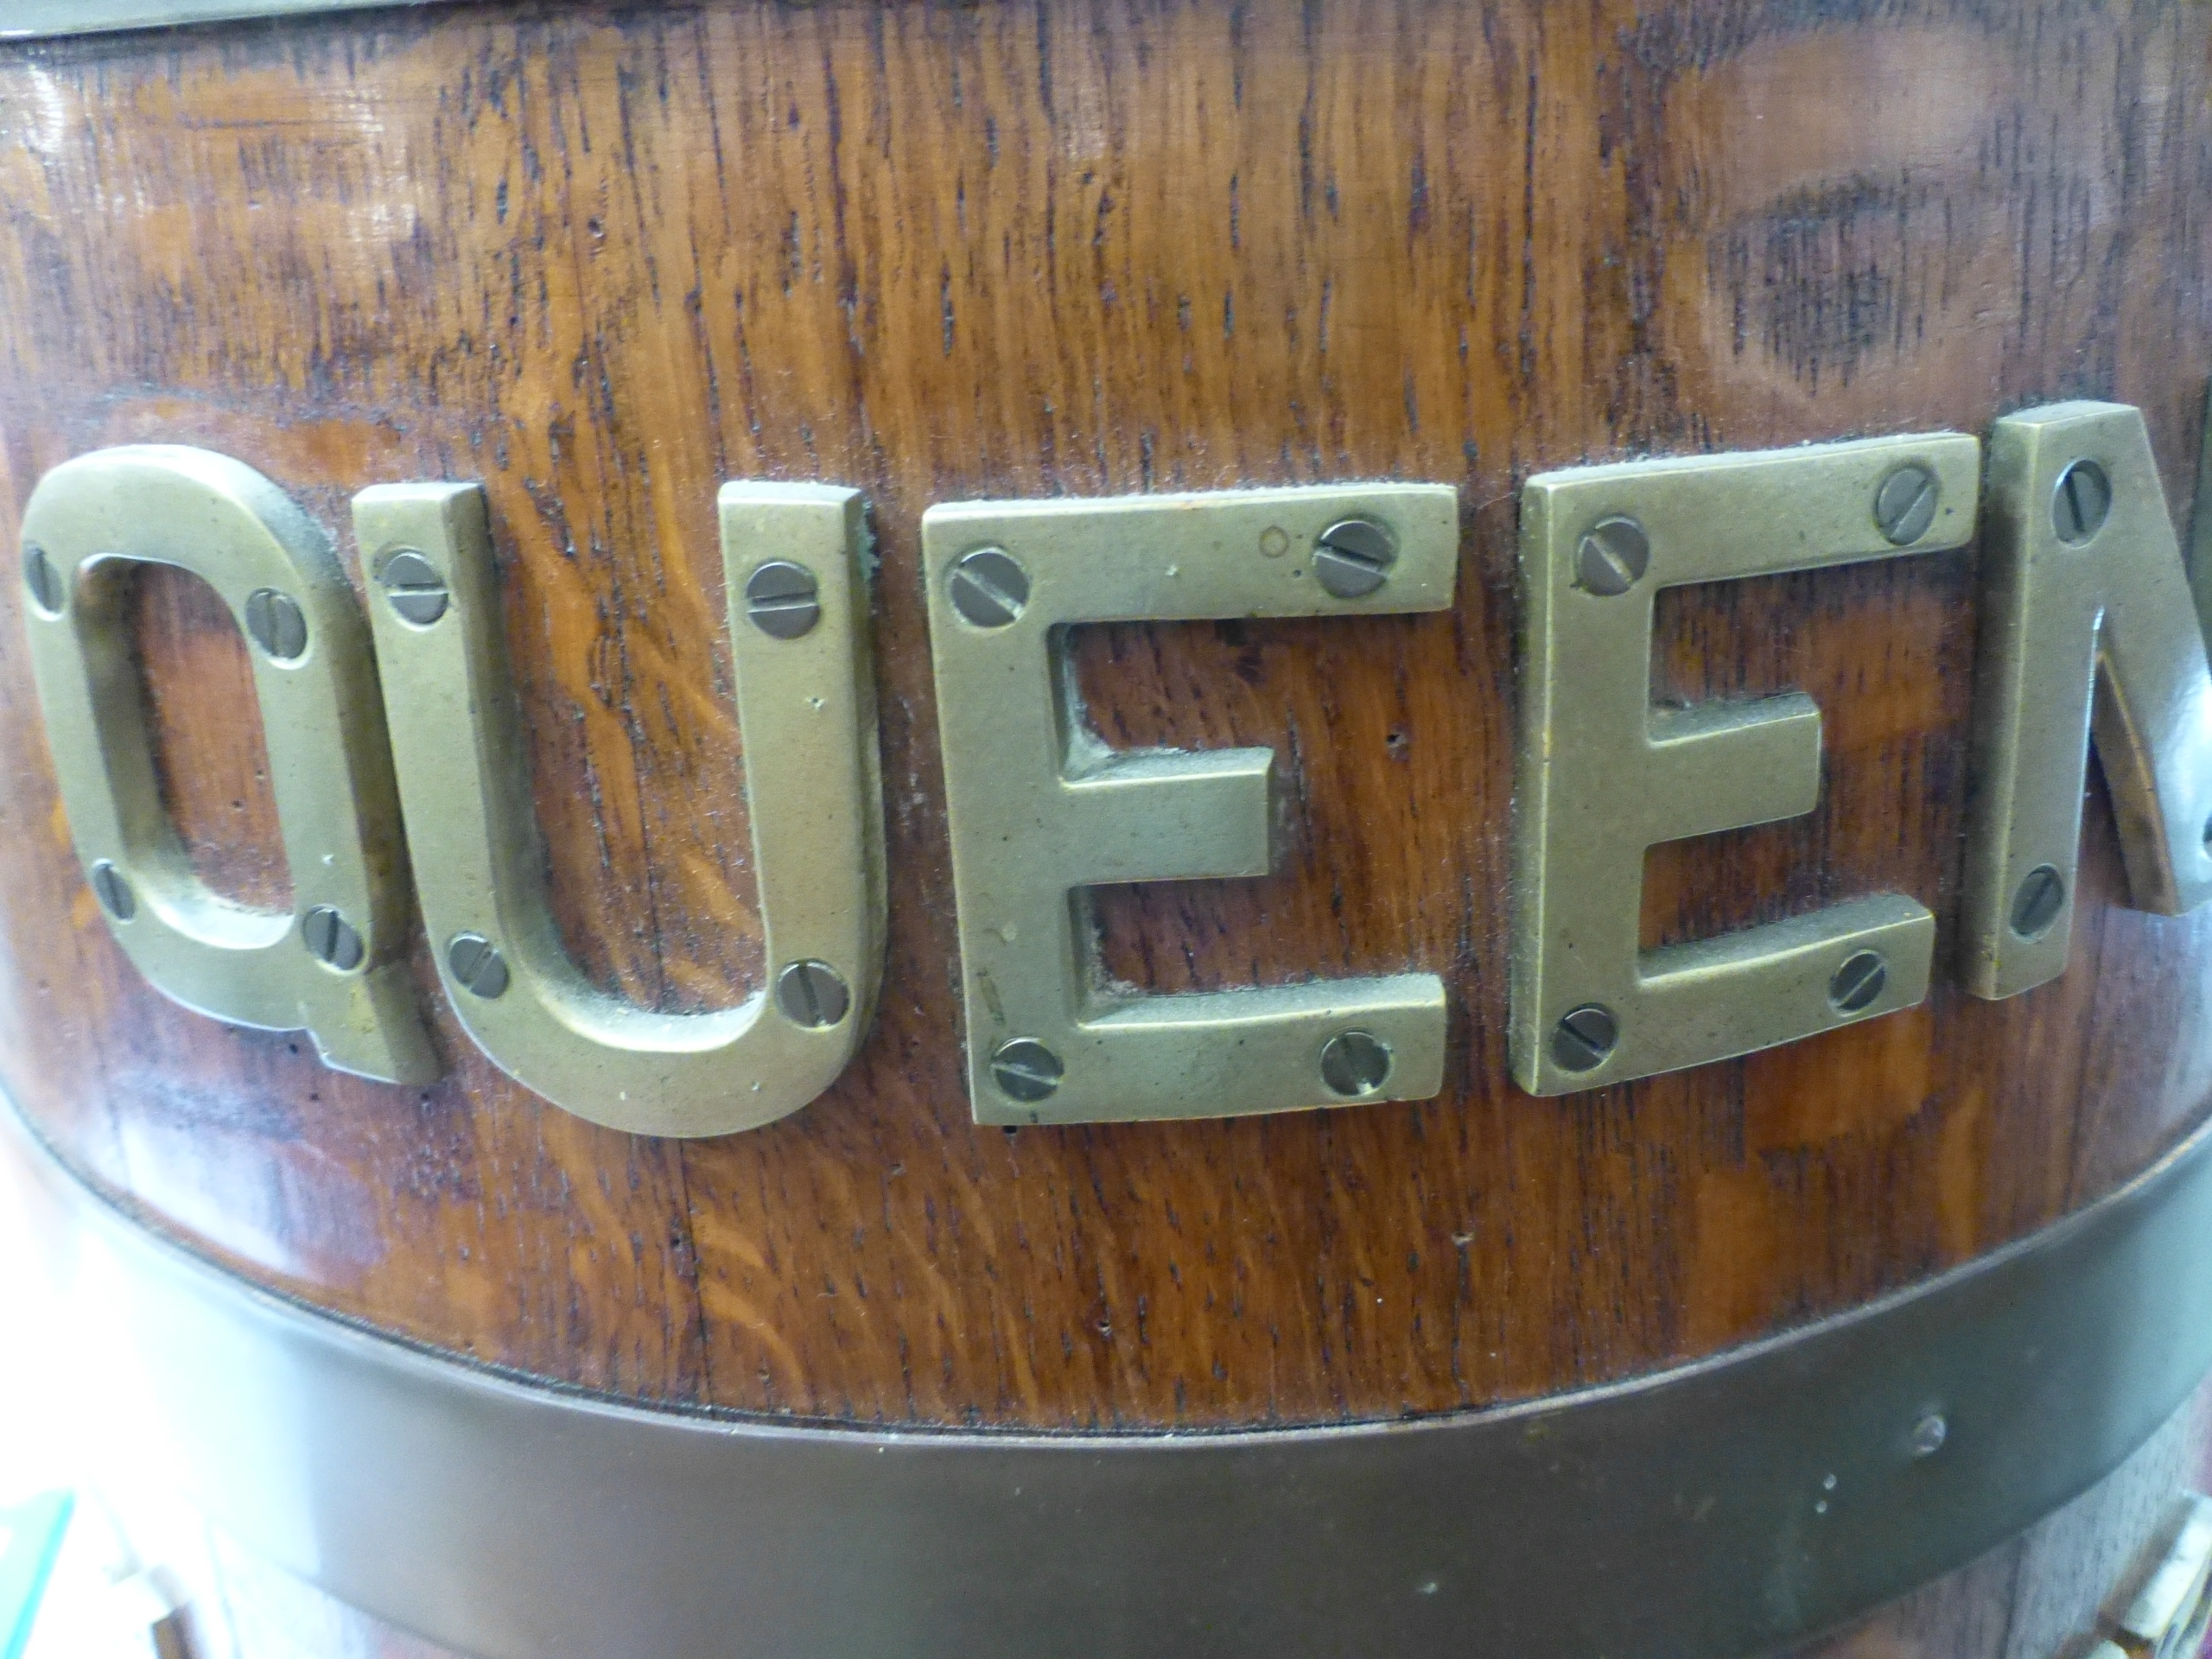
x=604 y=260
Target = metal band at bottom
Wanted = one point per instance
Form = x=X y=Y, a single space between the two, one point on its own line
x=1717 y=1509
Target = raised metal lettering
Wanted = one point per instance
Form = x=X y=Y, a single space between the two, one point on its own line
x=806 y=710
x=1604 y=776
x=2085 y=607
x=1040 y=808
x=330 y=968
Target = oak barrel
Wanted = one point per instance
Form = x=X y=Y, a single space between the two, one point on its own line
x=603 y=260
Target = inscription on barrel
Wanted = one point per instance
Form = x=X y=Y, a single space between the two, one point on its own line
x=404 y=731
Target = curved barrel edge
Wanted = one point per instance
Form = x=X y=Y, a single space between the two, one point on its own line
x=1720 y=1509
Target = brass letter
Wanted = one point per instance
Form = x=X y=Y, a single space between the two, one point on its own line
x=1040 y=808
x=1604 y=776
x=330 y=969
x=806 y=710
x=2084 y=601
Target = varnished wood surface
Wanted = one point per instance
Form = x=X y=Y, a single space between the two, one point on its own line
x=604 y=261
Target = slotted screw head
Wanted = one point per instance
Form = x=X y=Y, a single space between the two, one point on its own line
x=1353 y=558
x=1905 y=504
x=114 y=892
x=989 y=588
x=330 y=939
x=1355 y=1063
x=1613 y=556
x=1858 y=982
x=1929 y=1435
x=278 y=625
x=812 y=994
x=2041 y=894
x=2081 y=502
x=783 y=600
x=43 y=581
x=1585 y=1037
x=476 y=965
x=414 y=586
x=1026 y=1069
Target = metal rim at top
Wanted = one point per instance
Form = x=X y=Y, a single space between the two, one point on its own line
x=22 y=20
x=1722 y=1509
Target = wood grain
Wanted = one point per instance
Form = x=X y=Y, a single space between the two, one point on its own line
x=604 y=260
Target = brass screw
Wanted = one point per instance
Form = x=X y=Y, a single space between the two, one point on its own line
x=1585 y=1037
x=2080 y=503
x=114 y=892
x=476 y=965
x=812 y=994
x=1858 y=981
x=278 y=625
x=1355 y=1063
x=1026 y=1069
x=43 y=581
x=1353 y=558
x=1905 y=503
x=2035 y=905
x=1613 y=556
x=990 y=588
x=782 y=600
x=330 y=939
x=413 y=585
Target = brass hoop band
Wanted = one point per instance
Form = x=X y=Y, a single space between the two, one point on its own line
x=1724 y=1508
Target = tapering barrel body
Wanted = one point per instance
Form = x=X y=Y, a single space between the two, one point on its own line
x=986 y=810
